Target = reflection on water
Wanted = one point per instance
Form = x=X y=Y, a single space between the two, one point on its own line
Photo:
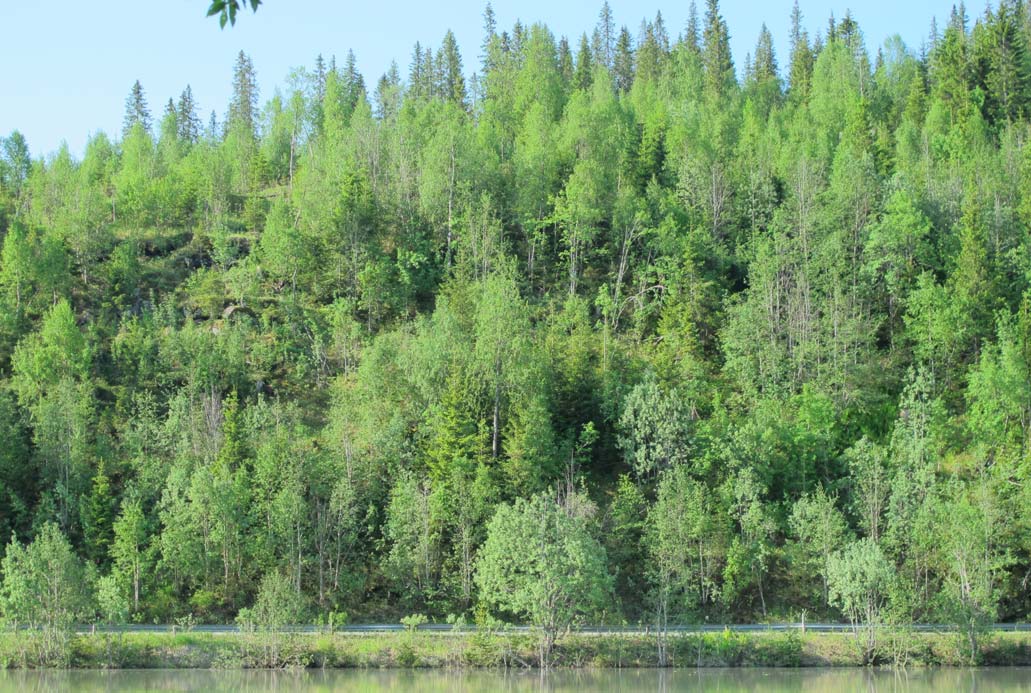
x=605 y=681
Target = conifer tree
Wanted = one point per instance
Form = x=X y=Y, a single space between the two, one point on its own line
x=603 y=43
x=800 y=72
x=565 y=61
x=450 y=65
x=623 y=62
x=136 y=110
x=584 y=65
x=490 y=36
x=951 y=70
x=186 y=117
x=518 y=37
x=764 y=66
x=1002 y=63
x=692 y=33
x=658 y=31
x=354 y=81
x=213 y=132
x=719 y=67
x=243 y=109
x=416 y=80
x=320 y=78
x=430 y=74
x=98 y=516
x=650 y=55
x=388 y=93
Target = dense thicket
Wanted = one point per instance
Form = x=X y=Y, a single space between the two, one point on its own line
x=713 y=343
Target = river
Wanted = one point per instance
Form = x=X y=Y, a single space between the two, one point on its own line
x=582 y=681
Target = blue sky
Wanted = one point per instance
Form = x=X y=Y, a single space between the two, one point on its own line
x=68 y=65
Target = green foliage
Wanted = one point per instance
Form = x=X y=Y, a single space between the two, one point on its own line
x=112 y=604
x=859 y=581
x=412 y=622
x=777 y=332
x=412 y=561
x=98 y=516
x=541 y=562
x=687 y=541
x=974 y=565
x=130 y=552
x=45 y=590
x=820 y=529
x=227 y=9
x=277 y=605
x=654 y=429
x=57 y=352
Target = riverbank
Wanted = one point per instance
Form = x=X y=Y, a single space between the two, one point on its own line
x=192 y=650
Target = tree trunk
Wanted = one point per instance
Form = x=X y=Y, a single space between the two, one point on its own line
x=497 y=416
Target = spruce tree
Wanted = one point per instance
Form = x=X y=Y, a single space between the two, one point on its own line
x=388 y=93
x=354 y=83
x=603 y=43
x=98 y=516
x=716 y=59
x=490 y=35
x=692 y=33
x=565 y=61
x=415 y=77
x=764 y=66
x=958 y=19
x=320 y=78
x=214 y=132
x=800 y=72
x=243 y=109
x=430 y=77
x=518 y=37
x=1001 y=61
x=848 y=31
x=623 y=62
x=658 y=31
x=136 y=110
x=650 y=56
x=584 y=65
x=187 y=118
x=450 y=66
x=950 y=70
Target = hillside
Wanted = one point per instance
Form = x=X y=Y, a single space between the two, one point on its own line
x=667 y=334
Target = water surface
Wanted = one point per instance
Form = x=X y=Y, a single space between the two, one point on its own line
x=604 y=681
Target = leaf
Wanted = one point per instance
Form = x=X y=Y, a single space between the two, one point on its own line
x=227 y=9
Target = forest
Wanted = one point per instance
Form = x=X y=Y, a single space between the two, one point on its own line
x=599 y=329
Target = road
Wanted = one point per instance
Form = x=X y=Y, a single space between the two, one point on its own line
x=447 y=629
